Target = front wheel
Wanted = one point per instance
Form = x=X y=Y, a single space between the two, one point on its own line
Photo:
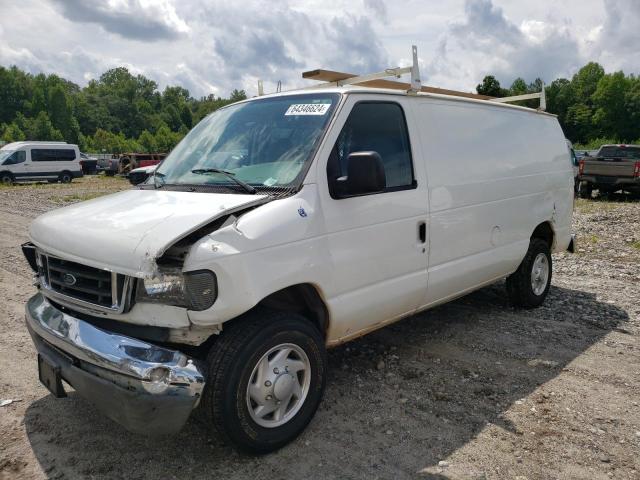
x=266 y=376
x=6 y=178
x=529 y=285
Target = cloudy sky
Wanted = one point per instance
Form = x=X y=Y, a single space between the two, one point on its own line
x=211 y=46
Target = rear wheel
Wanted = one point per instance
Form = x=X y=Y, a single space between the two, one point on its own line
x=529 y=285
x=6 y=178
x=266 y=376
x=585 y=189
x=65 y=177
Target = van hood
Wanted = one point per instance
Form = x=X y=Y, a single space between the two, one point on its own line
x=127 y=231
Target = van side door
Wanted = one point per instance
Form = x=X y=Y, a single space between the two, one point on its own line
x=377 y=241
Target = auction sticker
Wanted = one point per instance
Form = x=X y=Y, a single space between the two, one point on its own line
x=308 y=109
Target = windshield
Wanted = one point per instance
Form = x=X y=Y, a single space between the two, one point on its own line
x=4 y=154
x=262 y=143
x=632 y=152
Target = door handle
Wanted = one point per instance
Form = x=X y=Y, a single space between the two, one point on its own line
x=422 y=231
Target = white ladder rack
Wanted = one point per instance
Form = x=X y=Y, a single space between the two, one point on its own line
x=380 y=80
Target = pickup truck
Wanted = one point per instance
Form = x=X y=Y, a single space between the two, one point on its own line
x=613 y=168
x=126 y=162
x=88 y=164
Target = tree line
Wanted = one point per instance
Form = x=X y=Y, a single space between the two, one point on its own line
x=593 y=107
x=119 y=112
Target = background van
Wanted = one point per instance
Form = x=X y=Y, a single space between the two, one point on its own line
x=28 y=161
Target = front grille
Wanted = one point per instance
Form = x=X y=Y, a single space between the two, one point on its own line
x=83 y=283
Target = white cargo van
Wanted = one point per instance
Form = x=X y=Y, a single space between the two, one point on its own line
x=283 y=225
x=28 y=161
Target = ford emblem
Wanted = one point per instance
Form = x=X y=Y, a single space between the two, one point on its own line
x=68 y=279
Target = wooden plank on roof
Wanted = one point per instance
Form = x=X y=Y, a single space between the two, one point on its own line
x=331 y=76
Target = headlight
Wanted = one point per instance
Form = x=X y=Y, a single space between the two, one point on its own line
x=196 y=290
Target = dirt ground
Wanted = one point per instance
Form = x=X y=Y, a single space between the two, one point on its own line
x=470 y=390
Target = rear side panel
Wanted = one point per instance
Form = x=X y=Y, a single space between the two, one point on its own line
x=494 y=174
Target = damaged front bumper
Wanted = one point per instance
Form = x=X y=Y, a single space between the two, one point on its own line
x=146 y=388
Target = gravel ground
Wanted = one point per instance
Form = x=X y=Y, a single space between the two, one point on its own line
x=470 y=390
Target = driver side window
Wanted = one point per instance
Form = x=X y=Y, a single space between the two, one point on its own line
x=15 y=158
x=378 y=127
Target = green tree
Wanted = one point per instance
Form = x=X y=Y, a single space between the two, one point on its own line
x=166 y=139
x=186 y=117
x=518 y=87
x=490 y=86
x=147 y=141
x=560 y=96
x=237 y=95
x=11 y=133
x=15 y=91
x=60 y=112
x=42 y=129
x=609 y=100
x=586 y=80
x=579 y=120
x=632 y=109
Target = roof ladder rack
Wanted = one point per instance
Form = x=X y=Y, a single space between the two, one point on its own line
x=527 y=96
x=348 y=79
x=379 y=80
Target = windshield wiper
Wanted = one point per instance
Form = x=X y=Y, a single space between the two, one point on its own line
x=226 y=173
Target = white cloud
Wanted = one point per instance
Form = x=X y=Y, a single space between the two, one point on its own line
x=134 y=19
x=619 y=38
x=215 y=46
x=485 y=41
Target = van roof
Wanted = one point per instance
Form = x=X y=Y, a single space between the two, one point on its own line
x=14 y=145
x=355 y=89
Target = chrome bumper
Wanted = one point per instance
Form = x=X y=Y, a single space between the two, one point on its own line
x=146 y=388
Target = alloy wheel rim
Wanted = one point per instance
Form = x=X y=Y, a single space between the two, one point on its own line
x=278 y=385
x=540 y=274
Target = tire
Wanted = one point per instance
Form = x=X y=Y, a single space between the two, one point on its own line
x=232 y=365
x=524 y=287
x=6 y=178
x=65 y=177
x=585 y=189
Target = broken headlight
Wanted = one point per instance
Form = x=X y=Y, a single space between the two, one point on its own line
x=196 y=290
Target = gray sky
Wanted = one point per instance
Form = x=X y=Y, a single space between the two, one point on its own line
x=211 y=46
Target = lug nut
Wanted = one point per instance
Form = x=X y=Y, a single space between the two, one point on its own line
x=268 y=397
x=276 y=371
x=267 y=383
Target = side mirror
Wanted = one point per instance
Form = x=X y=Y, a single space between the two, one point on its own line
x=365 y=174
